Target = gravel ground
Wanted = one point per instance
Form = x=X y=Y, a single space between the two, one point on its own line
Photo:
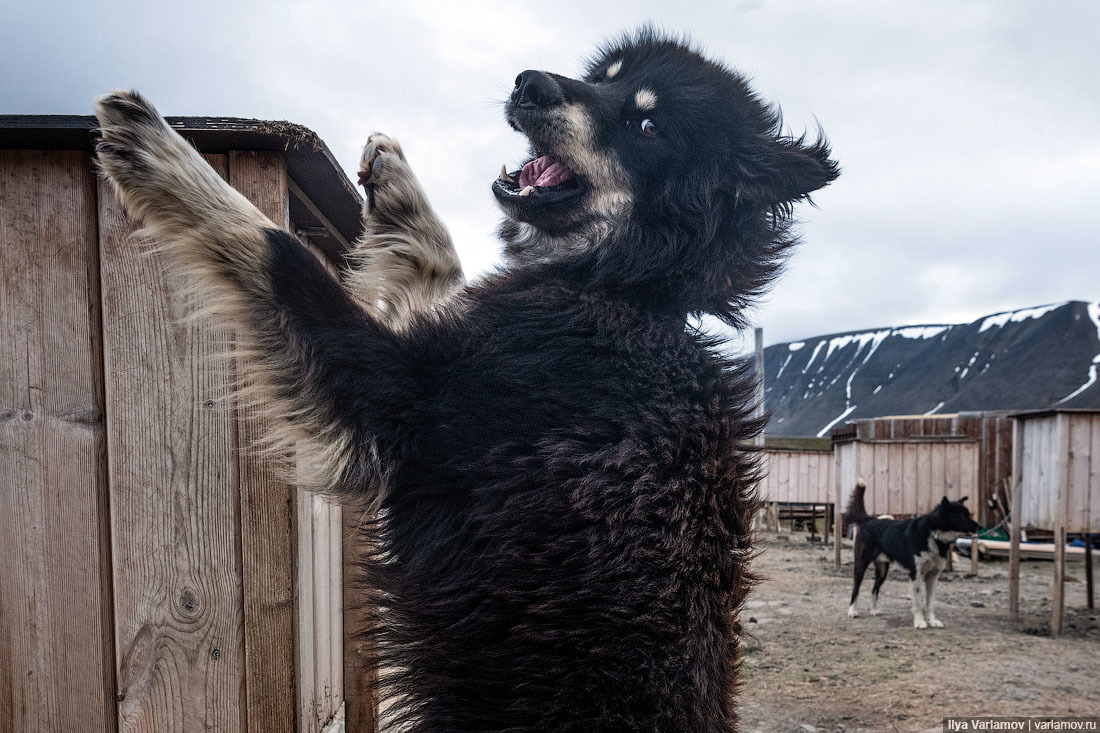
x=808 y=667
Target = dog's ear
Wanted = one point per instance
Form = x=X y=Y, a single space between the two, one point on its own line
x=946 y=502
x=963 y=500
x=791 y=169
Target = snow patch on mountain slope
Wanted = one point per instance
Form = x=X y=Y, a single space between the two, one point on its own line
x=999 y=320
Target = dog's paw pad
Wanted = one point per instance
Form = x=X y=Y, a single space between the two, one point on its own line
x=372 y=162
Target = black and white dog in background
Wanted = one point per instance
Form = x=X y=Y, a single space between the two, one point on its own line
x=557 y=459
x=920 y=545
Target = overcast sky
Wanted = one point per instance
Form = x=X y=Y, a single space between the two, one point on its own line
x=968 y=132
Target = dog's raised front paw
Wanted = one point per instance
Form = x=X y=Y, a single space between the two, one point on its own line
x=372 y=162
x=131 y=135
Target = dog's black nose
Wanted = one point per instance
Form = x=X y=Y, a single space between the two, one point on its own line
x=535 y=89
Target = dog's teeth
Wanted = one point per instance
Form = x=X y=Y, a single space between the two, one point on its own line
x=526 y=191
x=504 y=174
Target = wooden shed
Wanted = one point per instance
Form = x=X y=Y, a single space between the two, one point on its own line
x=798 y=476
x=1057 y=488
x=911 y=462
x=155 y=576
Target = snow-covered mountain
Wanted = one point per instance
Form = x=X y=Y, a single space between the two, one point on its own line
x=1032 y=358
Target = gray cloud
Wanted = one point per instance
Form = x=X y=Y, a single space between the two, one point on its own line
x=967 y=131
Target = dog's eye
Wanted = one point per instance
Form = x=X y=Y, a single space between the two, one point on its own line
x=649 y=128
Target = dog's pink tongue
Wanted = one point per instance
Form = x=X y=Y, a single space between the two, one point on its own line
x=544 y=171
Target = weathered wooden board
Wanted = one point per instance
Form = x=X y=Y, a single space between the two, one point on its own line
x=56 y=645
x=179 y=622
x=360 y=672
x=268 y=527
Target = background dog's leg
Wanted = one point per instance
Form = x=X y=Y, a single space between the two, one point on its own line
x=929 y=596
x=405 y=261
x=859 y=568
x=917 y=584
x=882 y=569
x=308 y=342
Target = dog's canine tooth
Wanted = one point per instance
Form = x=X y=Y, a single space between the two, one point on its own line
x=526 y=191
x=504 y=174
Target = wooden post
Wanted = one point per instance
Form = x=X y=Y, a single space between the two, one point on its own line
x=974 y=555
x=1015 y=525
x=1088 y=569
x=838 y=518
x=1057 y=607
x=828 y=521
x=813 y=522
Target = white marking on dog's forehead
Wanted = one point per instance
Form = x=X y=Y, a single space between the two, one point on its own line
x=645 y=99
x=614 y=69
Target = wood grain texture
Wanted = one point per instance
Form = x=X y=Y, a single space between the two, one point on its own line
x=909 y=485
x=268 y=516
x=179 y=625
x=360 y=670
x=1077 y=483
x=1094 y=476
x=56 y=646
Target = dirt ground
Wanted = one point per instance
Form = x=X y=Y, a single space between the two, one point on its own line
x=808 y=667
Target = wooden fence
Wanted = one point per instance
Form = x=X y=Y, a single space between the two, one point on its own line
x=156 y=576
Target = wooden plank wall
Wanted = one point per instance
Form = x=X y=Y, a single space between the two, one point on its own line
x=797 y=476
x=908 y=477
x=156 y=574
x=993 y=431
x=55 y=609
x=1061 y=463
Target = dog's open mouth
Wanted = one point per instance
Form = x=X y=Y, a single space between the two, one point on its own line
x=541 y=181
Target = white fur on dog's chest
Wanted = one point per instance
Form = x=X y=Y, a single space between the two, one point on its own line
x=930 y=562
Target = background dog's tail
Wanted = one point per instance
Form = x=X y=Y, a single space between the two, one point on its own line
x=856 y=513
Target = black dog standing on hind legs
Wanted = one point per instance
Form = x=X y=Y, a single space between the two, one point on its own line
x=557 y=460
x=920 y=545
